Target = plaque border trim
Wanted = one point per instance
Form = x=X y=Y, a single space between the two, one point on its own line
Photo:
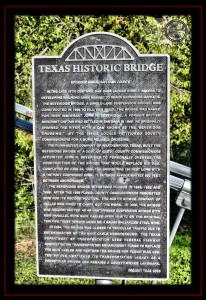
x=168 y=155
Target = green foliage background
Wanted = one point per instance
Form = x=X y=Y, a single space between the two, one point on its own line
x=49 y=35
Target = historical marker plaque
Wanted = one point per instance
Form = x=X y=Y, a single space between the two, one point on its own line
x=101 y=129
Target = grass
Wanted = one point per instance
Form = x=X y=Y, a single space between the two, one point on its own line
x=180 y=265
x=180 y=258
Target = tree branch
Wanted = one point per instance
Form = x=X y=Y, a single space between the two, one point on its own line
x=179 y=89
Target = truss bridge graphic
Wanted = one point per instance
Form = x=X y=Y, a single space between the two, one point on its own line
x=99 y=52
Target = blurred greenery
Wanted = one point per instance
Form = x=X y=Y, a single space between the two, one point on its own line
x=49 y=35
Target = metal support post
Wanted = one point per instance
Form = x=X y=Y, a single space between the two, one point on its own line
x=176 y=224
x=174 y=230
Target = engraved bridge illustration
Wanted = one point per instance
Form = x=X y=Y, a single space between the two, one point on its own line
x=99 y=52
